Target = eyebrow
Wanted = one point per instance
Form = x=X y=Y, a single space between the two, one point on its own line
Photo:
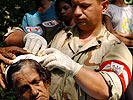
x=35 y=80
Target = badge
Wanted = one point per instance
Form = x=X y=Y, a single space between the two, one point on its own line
x=117 y=68
x=34 y=29
x=50 y=23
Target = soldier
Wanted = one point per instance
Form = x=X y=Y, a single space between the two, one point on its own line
x=86 y=62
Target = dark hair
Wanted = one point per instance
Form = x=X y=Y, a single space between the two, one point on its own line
x=16 y=67
x=39 y=3
x=58 y=1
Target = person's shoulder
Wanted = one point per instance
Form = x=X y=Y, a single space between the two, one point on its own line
x=33 y=12
x=130 y=7
x=52 y=5
x=112 y=6
x=108 y=36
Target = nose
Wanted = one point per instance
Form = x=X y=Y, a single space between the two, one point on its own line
x=34 y=92
x=62 y=11
x=77 y=11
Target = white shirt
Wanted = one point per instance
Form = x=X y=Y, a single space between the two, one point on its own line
x=122 y=18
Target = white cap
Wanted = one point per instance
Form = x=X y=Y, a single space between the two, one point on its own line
x=27 y=56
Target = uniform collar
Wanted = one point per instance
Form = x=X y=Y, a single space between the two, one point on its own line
x=95 y=42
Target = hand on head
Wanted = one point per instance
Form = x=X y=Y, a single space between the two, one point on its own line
x=34 y=43
x=7 y=54
x=54 y=58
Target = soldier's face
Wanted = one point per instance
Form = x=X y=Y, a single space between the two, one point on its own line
x=30 y=86
x=87 y=13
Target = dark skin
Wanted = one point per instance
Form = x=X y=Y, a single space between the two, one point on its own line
x=7 y=54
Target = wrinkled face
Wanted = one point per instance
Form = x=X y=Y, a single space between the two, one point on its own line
x=88 y=13
x=64 y=11
x=29 y=85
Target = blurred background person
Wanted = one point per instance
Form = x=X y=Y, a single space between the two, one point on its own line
x=119 y=21
x=44 y=10
x=64 y=12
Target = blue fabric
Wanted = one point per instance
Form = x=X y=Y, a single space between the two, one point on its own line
x=34 y=17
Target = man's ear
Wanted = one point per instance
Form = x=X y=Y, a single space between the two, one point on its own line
x=104 y=5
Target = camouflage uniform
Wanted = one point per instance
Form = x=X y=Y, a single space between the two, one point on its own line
x=104 y=54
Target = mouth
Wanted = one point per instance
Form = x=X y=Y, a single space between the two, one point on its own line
x=42 y=98
x=63 y=16
x=80 y=20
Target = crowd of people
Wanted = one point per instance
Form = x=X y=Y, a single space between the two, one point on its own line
x=84 y=54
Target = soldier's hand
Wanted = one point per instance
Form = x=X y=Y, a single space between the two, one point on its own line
x=34 y=43
x=7 y=54
x=54 y=58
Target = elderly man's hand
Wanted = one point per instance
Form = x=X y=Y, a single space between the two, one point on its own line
x=7 y=54
x=2 y=74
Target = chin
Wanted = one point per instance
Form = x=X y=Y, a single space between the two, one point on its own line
x=41 y=98
x=82 y=26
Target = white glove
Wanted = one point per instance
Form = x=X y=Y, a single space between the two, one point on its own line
x=34 y=43
x=55 y=58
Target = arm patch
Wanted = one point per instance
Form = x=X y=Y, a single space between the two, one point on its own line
x=120 y=69
x=50 y=23
x=34 y=29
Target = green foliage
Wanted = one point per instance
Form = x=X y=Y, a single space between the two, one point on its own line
x=11 y=14
x=7 y=94
x=130 y=2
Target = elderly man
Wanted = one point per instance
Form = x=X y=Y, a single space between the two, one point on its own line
x=28 y=78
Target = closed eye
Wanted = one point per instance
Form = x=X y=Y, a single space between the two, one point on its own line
x=84 y=6
x=36 y=82
x=23 y=89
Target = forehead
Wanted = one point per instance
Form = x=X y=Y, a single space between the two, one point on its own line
x=83 y=1
x=26 y=74
x=62 y=4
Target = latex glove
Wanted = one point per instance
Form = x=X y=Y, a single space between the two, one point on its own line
x=34 y=43
x=55 y=58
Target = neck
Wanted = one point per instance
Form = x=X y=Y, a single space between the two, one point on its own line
x=119 y=3
x=70 y=23
x=87 y=35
